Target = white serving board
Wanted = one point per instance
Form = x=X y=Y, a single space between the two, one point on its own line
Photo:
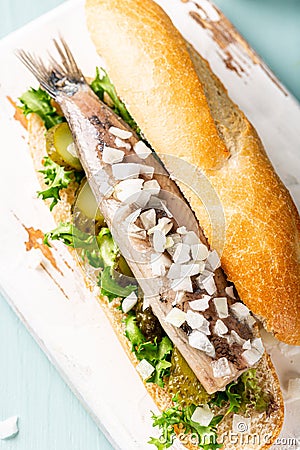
x=67 y=322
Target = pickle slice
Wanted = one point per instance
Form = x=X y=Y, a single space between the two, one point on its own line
x=60 y=147
x=86 y=203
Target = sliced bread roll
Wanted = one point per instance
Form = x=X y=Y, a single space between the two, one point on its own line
x=265 y=427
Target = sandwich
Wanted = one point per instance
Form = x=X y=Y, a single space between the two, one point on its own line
x=164 y=194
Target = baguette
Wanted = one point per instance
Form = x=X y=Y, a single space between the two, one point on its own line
x=213 y=153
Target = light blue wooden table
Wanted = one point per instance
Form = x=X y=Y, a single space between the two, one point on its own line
x=51 y=418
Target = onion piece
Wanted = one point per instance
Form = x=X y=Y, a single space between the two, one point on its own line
x=142 y=150
x=202 y=415
x=148 y=219
x=176 y=317
x=182 y=284
x=200 y=304
x=118 y=132
x=145 y=369
x=125 y=189
x=152 y=186
x=199 y=340
x=221 y=368
x=112 y=155
x=129 y=302
x=221 y=306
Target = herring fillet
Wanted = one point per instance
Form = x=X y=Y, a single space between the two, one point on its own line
x=90 y=121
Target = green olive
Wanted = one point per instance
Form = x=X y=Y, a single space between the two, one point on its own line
x=86 y=203
x=58 y=140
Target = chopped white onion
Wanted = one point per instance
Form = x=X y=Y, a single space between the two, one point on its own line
x=152 y=186
x=112 y=155
x=123 y=171
x=200 y=304
x=241 y=424
x=213 y=260
x=148 y=218
x=164 y=224
x=191 y=238
x=9 y=428
x=159 y=264
x=199 y=252
x=174 y=272
x=122 y=134
x=221 y=368
x=189 y=270
x=142 y=150
x=247 y=345
x=176 y=317
x=202 y=415
x=240 y=310
x=220 y=328
x=221 y=307
x=209 y=285
x=148 y=171
x=129 y=302
x=229 y=291
x=182 y=284
x=181 y=230
x=120 y=143
x=159 y=241
x=251 y=356
x=182 y=253
x=145 y=369
x=125 y=189
x=197 y=321
x=235 y=337
x=199 y=340
x=258 y=345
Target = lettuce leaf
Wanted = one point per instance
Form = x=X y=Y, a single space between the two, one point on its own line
x=39 y=102
x=158 y=354
x=178 y=415
x=243 y=394
x=56 y=178
x=102 y=84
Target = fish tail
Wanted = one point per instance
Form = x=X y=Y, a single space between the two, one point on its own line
x=60 y=75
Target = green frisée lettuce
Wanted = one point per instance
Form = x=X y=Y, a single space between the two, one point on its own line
x=100 y=250
x=102 y=84
x=158 y=354
x=39 y=102
x=110 y=286
x=56 y=178
x=203 y=437
x=244 y=394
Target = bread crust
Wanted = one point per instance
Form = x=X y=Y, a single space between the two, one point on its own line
x=261 y=424
x=213 y=153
